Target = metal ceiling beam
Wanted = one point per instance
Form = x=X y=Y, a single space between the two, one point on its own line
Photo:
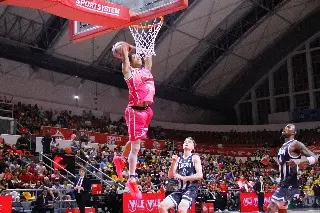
x=42 y=59
x=31 y=32
x=226 y=42
x=258 y=2
x=269 y=58
x=50 y=31
x=184 y=68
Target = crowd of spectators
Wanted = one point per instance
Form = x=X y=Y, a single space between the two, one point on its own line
x=221 y=174
x=27 y=172
x=33 y=117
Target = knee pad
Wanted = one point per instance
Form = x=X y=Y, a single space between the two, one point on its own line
x=135 y=147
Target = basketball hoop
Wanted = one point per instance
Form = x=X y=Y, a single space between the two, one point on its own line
x=144 y=35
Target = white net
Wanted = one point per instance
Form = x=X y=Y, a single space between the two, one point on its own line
x=144 y=36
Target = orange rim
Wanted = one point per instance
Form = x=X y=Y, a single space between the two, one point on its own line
x=149 y=25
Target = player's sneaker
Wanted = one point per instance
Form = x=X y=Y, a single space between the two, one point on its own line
x=120 y=164
x=134 y=188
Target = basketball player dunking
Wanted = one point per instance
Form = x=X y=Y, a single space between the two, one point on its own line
x=187 y=169
x=289 y=158
x=138 y=113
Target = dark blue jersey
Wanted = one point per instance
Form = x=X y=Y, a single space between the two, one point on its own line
x=288 y=175
x=186 y=167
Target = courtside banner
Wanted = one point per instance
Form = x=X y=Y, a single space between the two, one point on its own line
x=103 y=138
x=249 y=201
x=149 y=203
x=5 y=204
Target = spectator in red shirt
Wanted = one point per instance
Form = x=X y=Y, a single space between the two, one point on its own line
x=37 y=177
x=56 y=175
x=32 y=167
x=24 y=176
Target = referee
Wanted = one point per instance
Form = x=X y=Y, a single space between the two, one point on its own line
x=259 y=189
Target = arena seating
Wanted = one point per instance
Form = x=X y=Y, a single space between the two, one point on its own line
x=33 y=117
x=219 y=171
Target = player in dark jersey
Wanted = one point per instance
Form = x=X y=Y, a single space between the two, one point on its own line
x=187 y=170
x=289 y=158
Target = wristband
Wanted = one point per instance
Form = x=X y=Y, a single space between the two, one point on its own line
x=311 y=160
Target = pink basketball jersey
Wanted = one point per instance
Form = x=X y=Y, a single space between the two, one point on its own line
x=141 y=87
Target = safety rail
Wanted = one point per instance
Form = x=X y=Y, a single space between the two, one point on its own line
x=60 y=174
x=99 y=178
x=60 y=202
x=86 y=162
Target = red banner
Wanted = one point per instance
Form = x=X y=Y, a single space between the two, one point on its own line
x=96 y=189
x=249 y=201
x=5 y=204
x=103 y=138
x=207 y=208
x=148 y=204
x=226 y=151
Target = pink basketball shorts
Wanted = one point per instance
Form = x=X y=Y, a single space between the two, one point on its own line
x=138 y=122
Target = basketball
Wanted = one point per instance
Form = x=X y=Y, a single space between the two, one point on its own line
x=117 y=49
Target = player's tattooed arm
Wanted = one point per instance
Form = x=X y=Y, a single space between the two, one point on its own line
x=300 y=148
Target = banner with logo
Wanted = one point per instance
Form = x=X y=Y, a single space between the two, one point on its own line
x=227 y=151
x=149 y=203
x=207 y=208
x=110 y=139
x=5 y=204
x=104 y=138
x=249 y=201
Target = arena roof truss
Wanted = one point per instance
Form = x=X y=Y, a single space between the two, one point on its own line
x=205 y=54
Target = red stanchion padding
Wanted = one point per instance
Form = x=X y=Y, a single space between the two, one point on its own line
x=249 y=201
x=5 y=204
x=96 y=189
x=207 y=208
x=99 y=12
x=76 y=210
x=149 y=203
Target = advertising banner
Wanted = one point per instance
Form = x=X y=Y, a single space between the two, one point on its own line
x=5 y=204
x=249 y=201
x=148 y=204
x=103 y=138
